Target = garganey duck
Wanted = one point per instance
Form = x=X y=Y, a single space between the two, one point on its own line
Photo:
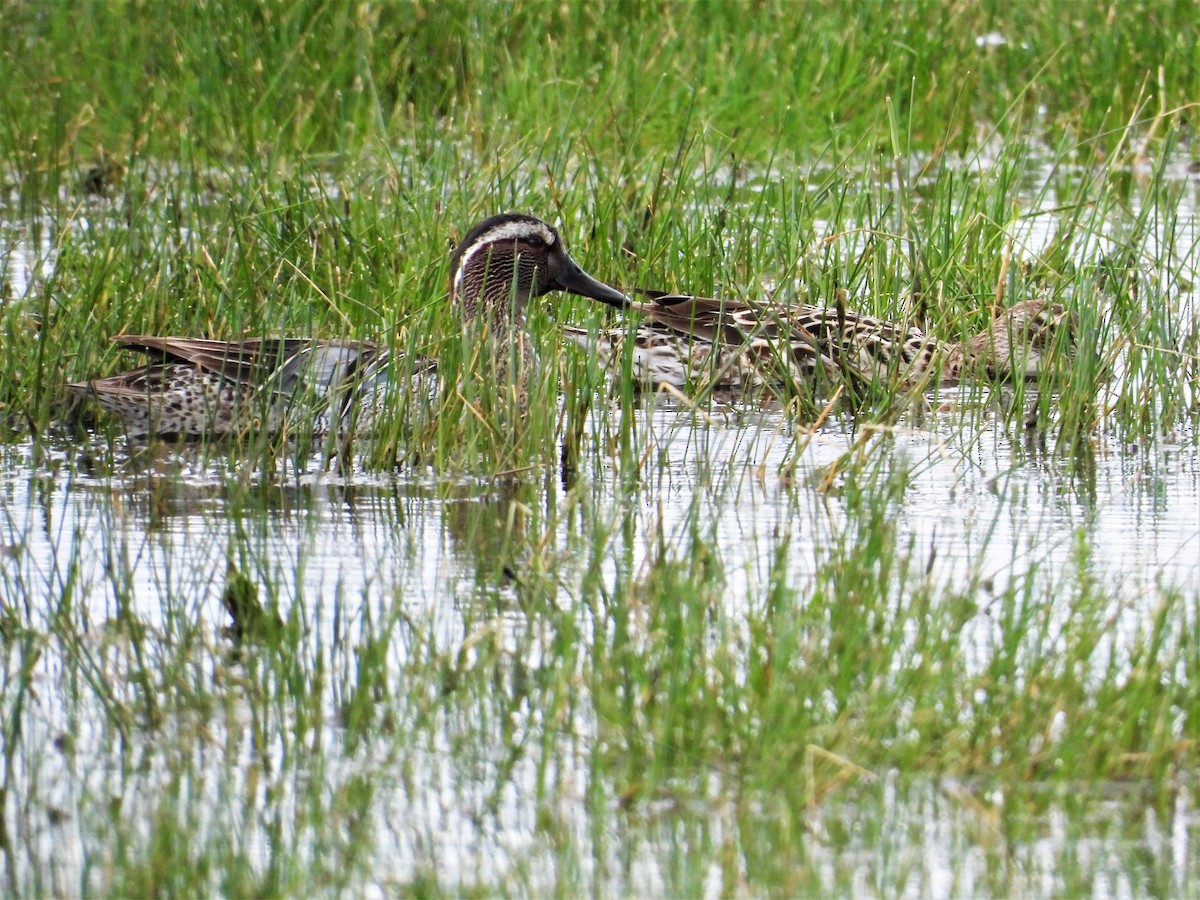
x=195 y=387
x=691 y=343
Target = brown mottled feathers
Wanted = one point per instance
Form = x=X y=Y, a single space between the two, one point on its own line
x=692 y=342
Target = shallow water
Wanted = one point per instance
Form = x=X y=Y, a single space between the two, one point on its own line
x=983 y=506
x=442 y=571
x=154 y=537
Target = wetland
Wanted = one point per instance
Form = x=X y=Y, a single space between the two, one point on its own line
x=926 y=643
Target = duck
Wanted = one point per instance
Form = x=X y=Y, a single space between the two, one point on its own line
x=687 y=343
x=196 y=387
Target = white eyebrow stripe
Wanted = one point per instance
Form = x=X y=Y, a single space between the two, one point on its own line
x=513 y=230
x=462 y=267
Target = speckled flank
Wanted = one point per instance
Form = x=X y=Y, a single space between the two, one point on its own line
x=173 y=398
x=321 y=384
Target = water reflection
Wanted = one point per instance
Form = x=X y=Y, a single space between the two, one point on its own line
x=483 y=575
x=987 y=504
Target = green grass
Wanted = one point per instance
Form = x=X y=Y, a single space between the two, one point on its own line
x=289 y=79
x=599 y=645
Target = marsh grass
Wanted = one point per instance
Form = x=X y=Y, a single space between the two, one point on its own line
x=506 y=645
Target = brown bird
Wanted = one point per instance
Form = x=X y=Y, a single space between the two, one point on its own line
x=197 y=387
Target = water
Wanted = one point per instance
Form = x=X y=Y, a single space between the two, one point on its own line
x=154 y=537
x=478 y=579
x=983 y=508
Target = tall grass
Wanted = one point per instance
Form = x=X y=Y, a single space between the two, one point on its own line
x=296 y=78
x=270 y=185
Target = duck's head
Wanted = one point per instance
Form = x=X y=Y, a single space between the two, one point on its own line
x=1018 y=342
x=508 y=259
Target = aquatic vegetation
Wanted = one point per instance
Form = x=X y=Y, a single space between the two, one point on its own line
x=609 y=640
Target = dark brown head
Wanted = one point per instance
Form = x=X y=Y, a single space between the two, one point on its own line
x=508 y=259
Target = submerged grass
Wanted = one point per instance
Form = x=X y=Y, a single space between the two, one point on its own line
x=608 y=642
x=607 y=675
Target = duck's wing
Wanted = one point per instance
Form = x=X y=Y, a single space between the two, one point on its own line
x=683 y=340
x=249 y=362
x=730 y=322
x=282 y=362
x=153 y=380
x=872 y=349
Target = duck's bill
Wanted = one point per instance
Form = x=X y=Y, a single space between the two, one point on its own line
x=574 y=280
